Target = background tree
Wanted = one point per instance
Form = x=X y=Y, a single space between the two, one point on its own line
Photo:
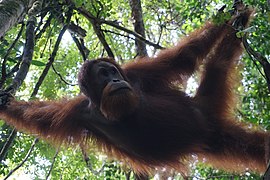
x=43 y=44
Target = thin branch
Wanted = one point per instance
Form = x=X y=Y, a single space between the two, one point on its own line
x=114 y=24
x=4 y=71
x=15 y=68
x=127 y=175
x=97 y=28
x=72 y=27
x=52 y=57
x=24 y=160
x=260 y=58
x=61 y=77
x=119 y=34
x=53 y=162
x=99 y=9
x=47 y=40
x=80 y=45
x=46 y=25
x=160 y=34
x=89 y=165
x=42 y=16
x=7 y=144
x=50 y=62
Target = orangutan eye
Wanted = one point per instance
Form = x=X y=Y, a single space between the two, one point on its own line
x=103 y=72
x=113 y=70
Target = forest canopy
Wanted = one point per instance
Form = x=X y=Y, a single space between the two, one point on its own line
x=44 y=43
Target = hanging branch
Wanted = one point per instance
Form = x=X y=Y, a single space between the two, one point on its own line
x=75 y=30
x=42 y=15
x=4 y=71
x=52 y=57
x=7 y=144
x=24 y=160
x=260 y=58
x=46 y=25
x=48 y=40
x=50 y=62
x=61 y=77
x=80 y=45
x=53 y=162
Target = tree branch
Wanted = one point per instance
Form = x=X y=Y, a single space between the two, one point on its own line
x=4 y=71
x=136 y=11
x=119 y=34
x=7 y=144
x=60 y=76
x=24 y=160
x=260 y=58
x=27 y=56
x=46 y=25
x=97 y=28
x=53 y=161
x=80 y=45
x=52 y=57
x=15 y=68
x=24 y=68
x=114 y=24
x=89 y=165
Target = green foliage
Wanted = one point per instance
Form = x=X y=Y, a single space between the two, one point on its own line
x=221 y=17
x=38 y=63
x=204 y=172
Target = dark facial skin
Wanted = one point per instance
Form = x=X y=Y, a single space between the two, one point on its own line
x=107 y=88
x=106 y=74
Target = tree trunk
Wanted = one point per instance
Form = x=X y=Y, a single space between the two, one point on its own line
x=12 y=12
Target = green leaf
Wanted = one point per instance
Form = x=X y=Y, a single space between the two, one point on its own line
x=239 y=34
x=38 y=63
